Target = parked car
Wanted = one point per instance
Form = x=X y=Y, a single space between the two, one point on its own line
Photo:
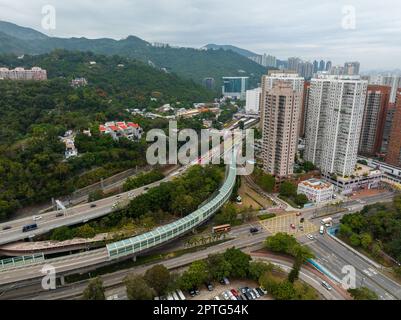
x=225 y=295
x=235 y=292
x=226 y=281
x=216 y=298
x=261 y=293
x=310 y=237
x=249 y=296
x=209 y=286
x=192 y=292
x=263 y=290
x=256 y=293
x=197 y=292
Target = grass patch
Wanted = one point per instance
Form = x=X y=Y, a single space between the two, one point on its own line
x=267 y=216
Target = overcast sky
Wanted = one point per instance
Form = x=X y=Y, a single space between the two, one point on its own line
x=306 y=28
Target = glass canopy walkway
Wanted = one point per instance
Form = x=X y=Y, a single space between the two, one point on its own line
x=171 y=231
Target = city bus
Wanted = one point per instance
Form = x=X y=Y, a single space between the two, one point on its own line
x=30 y=227
x=222 y=229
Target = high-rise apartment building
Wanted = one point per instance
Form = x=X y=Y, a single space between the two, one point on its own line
x=273 y=77
x=388 y=125
x=394 y=148
x=329 y=64
x=352 y=68
x=293 y=64
x=209 y=83
x=374 y=119
x=282 y=106
x=333 y=126
x=315 y=66
x=304 y=109
x=253 y=101
x=20 y=74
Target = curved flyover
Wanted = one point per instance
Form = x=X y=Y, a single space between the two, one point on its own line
x=124 y=249
x=176 y=229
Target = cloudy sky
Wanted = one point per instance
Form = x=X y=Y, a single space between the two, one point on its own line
x=306 y=28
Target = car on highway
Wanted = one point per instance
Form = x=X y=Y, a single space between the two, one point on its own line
x=292 y=226
x=327 y=286
x=6 y=228
x=146 y=188
x=310 y=237
x=36 y=218
x=60 y=214
x=29 y=227
x=93 y=205
x=254 y=230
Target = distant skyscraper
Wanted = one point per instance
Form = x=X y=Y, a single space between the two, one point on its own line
x=280 y=128
x=253 y=101
x=209 y=83
x=394 y=149
x=374 y=119
x=293 y=64
x=333 y=126
x=315 y=66
x=352 y=68
x=235 y=87
x=322 y=65
x=328 y=65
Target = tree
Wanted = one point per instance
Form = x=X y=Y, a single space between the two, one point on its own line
x=218 y=266
x=228 y=214
x=239 y=262
x=301 y=200
x=258 y=269
x=363 y=294
x=196 y=274
x=158 y=278
x=138 y=289
x=95 y=290
x=287 y=189
x=366 y=240
x=281 y=242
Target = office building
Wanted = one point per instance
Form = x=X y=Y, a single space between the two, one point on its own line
x=333 y=126
x=315 y=66
x=329 y=64
x=293 y=64
x=253 y=101
x=235 y=87
x=281 y=106
x=374 y=119
x=394 y=148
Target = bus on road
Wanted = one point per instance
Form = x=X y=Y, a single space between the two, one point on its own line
x=30 y=227
x=222 y=229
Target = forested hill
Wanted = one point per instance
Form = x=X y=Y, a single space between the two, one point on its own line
x=115 y=84
x=186 y=62
x=34 y=114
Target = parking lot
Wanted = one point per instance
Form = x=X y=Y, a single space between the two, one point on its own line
x=289 y=223
x=219 y=289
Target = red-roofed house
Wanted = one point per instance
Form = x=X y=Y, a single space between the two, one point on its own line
x=131 y=131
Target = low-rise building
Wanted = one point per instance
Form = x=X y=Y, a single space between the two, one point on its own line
x=79 y=82
x=364 y=178
x=34 y=74
x=316 y=190
x=131 y=131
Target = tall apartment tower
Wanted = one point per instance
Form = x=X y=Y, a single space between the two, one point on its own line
x=387 y=128
x=374 y=120
x=352 y=68
x=335 y=112
x=273 y=77
x=304 y=109
x=394 y=147
x=282 y=106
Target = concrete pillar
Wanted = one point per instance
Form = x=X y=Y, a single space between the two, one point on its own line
x=62 y=280
x=134 y=259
